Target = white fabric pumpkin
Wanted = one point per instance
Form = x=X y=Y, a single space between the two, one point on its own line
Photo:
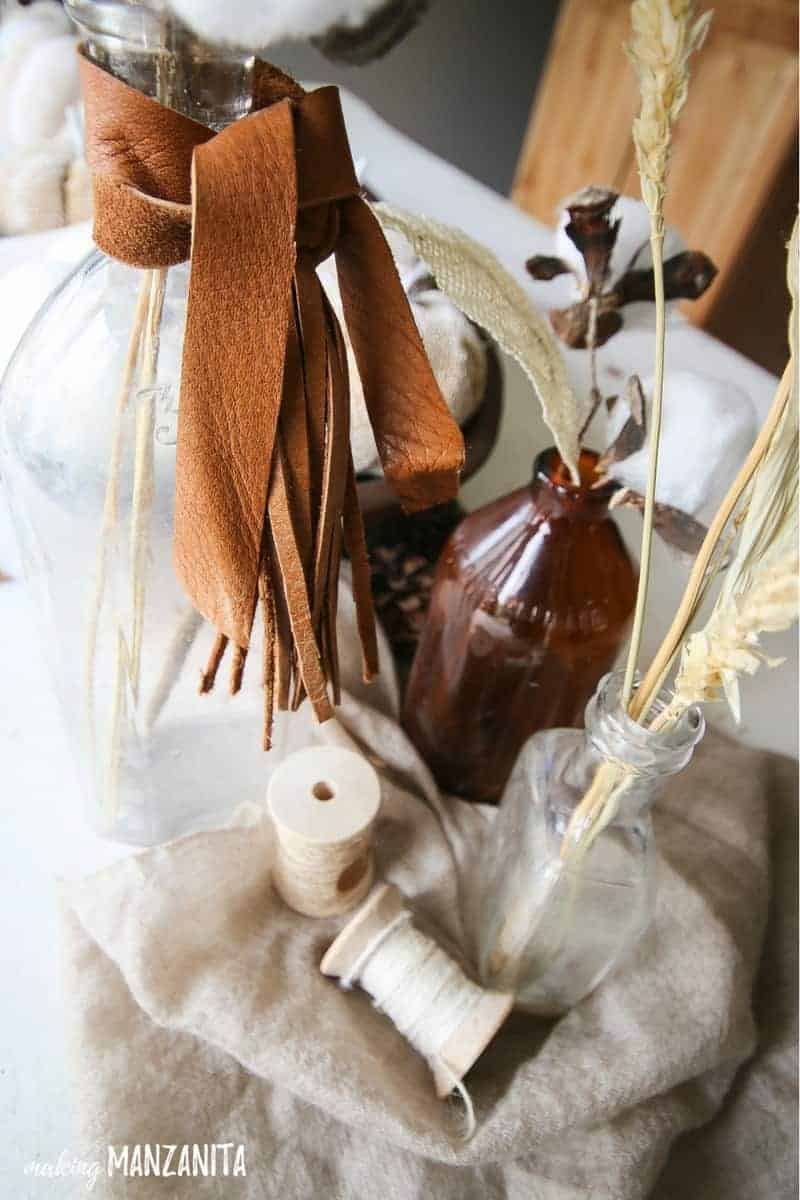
x=42 y=184
x=708 y=427
x=455 y=349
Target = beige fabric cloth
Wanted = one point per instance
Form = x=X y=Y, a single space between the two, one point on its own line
x=200 y=1015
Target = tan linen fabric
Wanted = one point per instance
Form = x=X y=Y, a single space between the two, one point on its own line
x=200 y=1015
x=750 y=1149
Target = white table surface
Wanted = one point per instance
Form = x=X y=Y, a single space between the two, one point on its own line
x=40 y=832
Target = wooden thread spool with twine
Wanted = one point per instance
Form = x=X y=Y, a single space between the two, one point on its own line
x=447 y=1018
x=323 y=801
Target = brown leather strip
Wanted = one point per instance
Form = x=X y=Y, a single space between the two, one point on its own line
x=268 y=655
x=324 y=166
x=294 y=586
x=138 y=151
x=421 y=447
x=356 y=545
x=283 y=639
x=315 y=372
x=296 y=443
x=209 y=674
x=335 y=466
x=232 y=382
x=294 y=435
x=330 y=632
x=238 y=660
x=271 y=85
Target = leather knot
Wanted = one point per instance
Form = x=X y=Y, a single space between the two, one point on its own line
x=317 y=232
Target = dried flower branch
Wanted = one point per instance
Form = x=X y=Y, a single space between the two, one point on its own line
x=573 y=324
x=677 y=528
x=593 y=233
x=686 y=277
x=544 y=267
x=665 y=35
x=631 y=437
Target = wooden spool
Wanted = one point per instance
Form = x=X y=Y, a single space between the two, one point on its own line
x=323 y=801
x=465 y=1046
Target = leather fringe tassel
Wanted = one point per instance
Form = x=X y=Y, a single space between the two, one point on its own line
x=312 y=512
x=265 y=491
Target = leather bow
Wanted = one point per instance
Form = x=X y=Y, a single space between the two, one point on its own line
x=265 y=492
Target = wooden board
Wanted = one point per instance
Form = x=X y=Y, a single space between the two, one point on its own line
x=730 y=145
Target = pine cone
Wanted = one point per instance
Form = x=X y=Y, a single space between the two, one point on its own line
x=403 y=555
x=401 y=586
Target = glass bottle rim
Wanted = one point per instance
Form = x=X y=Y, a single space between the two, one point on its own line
x=549 y=469
x=618 y=737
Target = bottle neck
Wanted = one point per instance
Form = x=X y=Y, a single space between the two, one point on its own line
x=556 y=494
x=150 y=50
x=647 y=758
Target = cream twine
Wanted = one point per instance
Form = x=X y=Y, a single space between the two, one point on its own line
x=422 y=990
x=323 y=801
x=321 y=879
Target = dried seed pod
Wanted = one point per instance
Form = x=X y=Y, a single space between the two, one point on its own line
x=592 y=231
x=544 y=267
x=572 y=324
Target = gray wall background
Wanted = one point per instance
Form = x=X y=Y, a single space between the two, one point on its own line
x=461 y=83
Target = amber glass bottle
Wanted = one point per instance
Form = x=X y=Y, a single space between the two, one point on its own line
x=531 y=602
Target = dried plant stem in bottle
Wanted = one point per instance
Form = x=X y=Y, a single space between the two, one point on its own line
x=143 y=489
x=143 y=347
x=111 y=503
x=665 y=34
x=140 y=372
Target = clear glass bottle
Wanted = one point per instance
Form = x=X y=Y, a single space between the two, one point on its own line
x=551 y=925
x=531 y=603
x=89 y=464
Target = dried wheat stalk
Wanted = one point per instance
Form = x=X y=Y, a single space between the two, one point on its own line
x=665 y=34
x=142 y=354
x=128 y=656
x=144 y=468
x=111 y=502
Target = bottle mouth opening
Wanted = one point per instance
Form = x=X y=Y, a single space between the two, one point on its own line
x=618 y=736
x=550 y=468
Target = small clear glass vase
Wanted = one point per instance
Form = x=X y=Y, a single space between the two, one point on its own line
x=88 y=431
x=563 y=900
